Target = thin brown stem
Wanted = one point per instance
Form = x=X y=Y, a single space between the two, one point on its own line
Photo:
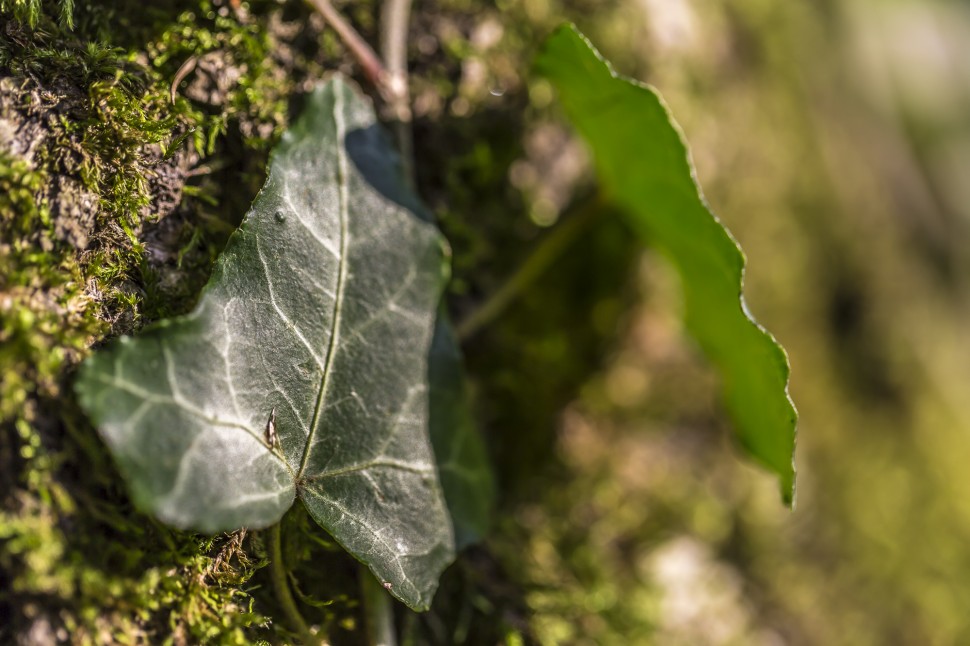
x=391 y=80
x=358 y=47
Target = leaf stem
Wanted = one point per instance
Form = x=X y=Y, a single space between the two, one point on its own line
x=282 y=588
x=542 y=256
x=377 y=611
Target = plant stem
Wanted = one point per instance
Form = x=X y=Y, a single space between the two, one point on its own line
x=358 y=47
x=539 y=260
x=282 y=588
x=395 y=19
x=377 y=611
x=391 y=81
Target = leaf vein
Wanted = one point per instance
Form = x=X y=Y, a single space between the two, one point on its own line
x=373 y=464
x=281 y=391
x=279 y=311
x=299 y=218
x=395 y=557
x=225 y=357
x=342 y=180
x=168 y=400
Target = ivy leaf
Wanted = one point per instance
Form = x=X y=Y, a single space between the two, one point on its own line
x=303 y=371
x=466 y=475
x=645 y=168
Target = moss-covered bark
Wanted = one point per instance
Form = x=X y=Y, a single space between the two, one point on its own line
x=115 y=198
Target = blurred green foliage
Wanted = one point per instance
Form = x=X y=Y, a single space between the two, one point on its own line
x=828 y=138
x=644 y=166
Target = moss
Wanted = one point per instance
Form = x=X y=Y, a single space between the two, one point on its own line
x=110 y=216
x=193 y=591
x=31 y=11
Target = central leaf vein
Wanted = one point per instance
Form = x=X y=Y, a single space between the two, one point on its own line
x=342 y=178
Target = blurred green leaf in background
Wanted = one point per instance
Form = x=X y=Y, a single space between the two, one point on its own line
x=645 y=167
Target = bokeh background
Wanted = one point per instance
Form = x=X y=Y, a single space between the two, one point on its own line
x=832 y=138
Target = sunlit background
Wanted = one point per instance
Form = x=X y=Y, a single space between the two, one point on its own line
x=833 y=140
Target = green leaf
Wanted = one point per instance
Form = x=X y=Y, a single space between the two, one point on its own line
x=645 y=168
x=466 y=475
x=317 y=321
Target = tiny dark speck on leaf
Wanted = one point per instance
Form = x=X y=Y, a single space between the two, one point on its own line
x=279 y=216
